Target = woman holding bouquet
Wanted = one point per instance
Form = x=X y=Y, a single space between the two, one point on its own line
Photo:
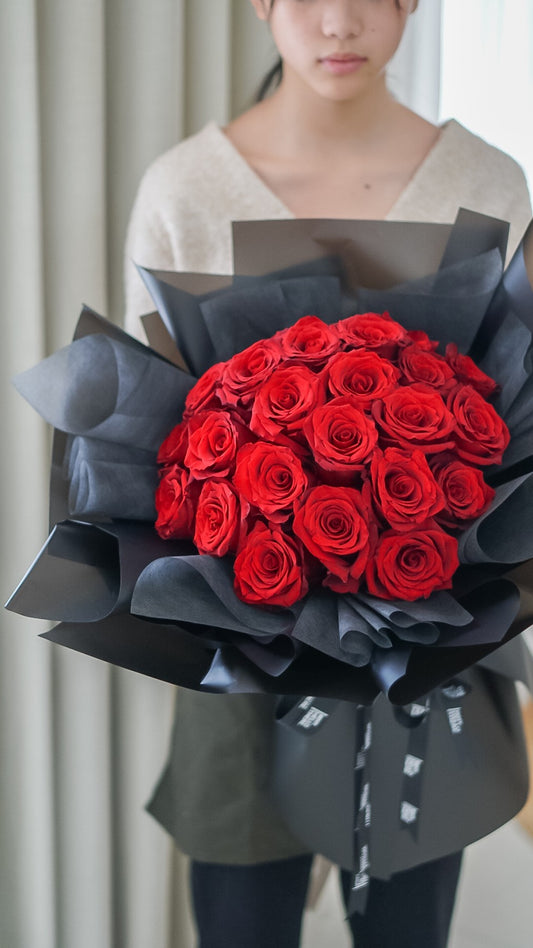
x=330 y=141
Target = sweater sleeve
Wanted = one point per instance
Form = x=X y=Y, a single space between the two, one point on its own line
x=148 y=242
x=519 y=213
x=463 y=170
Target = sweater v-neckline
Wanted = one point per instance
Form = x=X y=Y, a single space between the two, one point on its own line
x=255 y=181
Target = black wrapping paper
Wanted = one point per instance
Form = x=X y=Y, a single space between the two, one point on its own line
x=115 y=418
x=467 y=791
x=123 y=595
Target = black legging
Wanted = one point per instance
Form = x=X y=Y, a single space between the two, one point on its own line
x=261 y=906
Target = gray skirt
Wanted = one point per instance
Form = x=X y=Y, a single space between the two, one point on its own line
x=214 y=794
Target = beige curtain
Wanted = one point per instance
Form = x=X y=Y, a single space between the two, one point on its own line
x=91 y=91
x=415 y=73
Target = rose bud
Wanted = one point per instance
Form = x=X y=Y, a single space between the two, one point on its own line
x=340 y=436
x=219 y=521
x=247 y=371
x=419 y=365
x=309 y=341
x=214 y=439
x=466 y=494
x=362 y=375
x=412 y=565
x=333 y=524
x=415 y=417
x=481 y=435
x=204 y=395
x=174 y=447
x=271 y=478
x=468 y=372
x=175 y=504
x=372 y=331
x=420 y=339
x=285 y=401
x=269 y=568
x=404 y=487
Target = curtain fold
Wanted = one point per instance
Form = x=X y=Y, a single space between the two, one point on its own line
x=487 y=72
x=91 y=93
x=26 y=772
x=414 y=72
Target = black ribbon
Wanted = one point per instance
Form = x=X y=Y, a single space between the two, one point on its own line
x=363 y=812
x=414 y=716
x=448 y=699
x=307 y=714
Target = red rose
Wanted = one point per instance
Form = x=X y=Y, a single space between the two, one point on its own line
x=481 y=435
x=218 y=519
x=271 y=478
x=363 y=375
x=340 y=436
x=468 y=372
x=175 y=504
x=246 y=372
x=372 y=331
x=285 y=401
x=420 y=339
x=412 y=565
x=331 y=435
x=269 y=568
x=204 y=395
x=174 y=447
x=214 y=439
x=404 y=487
x=415 y=417
x=420 y=365
x=310 y=340
x=466 y=494
x=333 y=524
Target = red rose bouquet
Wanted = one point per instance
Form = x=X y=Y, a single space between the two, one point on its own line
x=346 y=455
x=343 y=506
x=339 y=498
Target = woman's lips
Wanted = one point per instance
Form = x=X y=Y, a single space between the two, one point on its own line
x=342 y=64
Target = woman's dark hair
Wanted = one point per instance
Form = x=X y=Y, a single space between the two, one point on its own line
x=271 y=81
x=274 y=75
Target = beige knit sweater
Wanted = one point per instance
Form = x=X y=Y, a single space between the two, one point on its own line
x=190 y=194
x=213 y=795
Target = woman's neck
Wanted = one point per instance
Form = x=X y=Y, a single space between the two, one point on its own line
x=325 y=158
x=302 y=119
